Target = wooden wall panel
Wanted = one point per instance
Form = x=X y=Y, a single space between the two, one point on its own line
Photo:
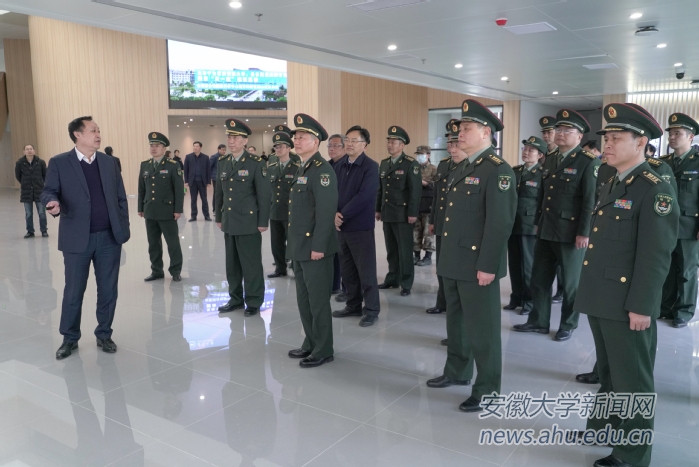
x=302 y=96
x=439 y=99
x=376 y=104
x=510 y=135
x=3 y=103
x=20 y=103
x=118 y=78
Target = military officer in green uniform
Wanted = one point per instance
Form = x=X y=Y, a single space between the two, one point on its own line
x=397 y=205
x=627 y=258
x=439 y=203
x=243 y=201
x=563 y=220
x=680 y=289
x=520 y=246
x=292 y=155
x=281 y=172
x=313 y=241
x=479 y=216
x=160 y=201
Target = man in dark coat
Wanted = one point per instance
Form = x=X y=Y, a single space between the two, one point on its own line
x=30 y=172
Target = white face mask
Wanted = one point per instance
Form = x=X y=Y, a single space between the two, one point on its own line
x=422 y=158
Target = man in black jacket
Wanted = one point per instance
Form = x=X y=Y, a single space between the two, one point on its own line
x=30 y=172
x=197 y=176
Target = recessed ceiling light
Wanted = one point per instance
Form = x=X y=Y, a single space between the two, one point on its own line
x=3 y=12
x=661 y=46
x=555 y=93
x=184 y=123
x=504 y=78
x=678 y=64
x=284 y=123
x=392 y=47
x=178 y=126
x=235 y=5
x=191 y=119
x=269 y=126
x=247 y=120
x=636 y=15
x=458 y=65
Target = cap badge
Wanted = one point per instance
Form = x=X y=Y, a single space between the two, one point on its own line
x=565 y=114
x=154 y=135
x=612 y=112
x=393 y=130
x=454 y=128
x=232 y=122
x=673 y=119
x=465 y=107
x=299 y=120
x=277 y=137
x=532 y=139
x=545 y=121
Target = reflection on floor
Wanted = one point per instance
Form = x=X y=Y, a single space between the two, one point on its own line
x=191 y=387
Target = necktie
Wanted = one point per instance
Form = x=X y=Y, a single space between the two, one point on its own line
x=560 y=160
x=615 y=182
x=155 y=164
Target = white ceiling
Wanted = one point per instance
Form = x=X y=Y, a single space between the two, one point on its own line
x=443 y=32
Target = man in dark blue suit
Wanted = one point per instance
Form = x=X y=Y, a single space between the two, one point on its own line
x=197 y=176
x=85 y=188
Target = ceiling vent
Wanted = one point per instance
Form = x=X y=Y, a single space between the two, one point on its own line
x=530 y=28
x=376 y=5
x=398 y=57
x=601 y=66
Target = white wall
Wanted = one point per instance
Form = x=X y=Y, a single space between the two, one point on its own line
x=529 y=115
x=183 y=138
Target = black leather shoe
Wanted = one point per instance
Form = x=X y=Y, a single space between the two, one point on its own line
x=152 y=277
x=249 y=311
x=336 y=291
x=587 y=378
x=562 y=335
x=44 y=234
x=525 y=310
x=435 y=310
x=177 y=278
x=298 y=353
x=107 y=345
x=230 y=307
x=368 y=320
x=558 y=298
x=526 y=327
x=384 y=285
x=445 y=381
x=274 y=275
x=193 y=219
x=424 y=262
x=472 y=404
x=312 y=362
x=341 y=297
x=679 y=323
x=29 y=235
x=611 y=461
x=207 y=219
x=345 y=312
x=510 y=306
x=65 y=350
x=404 y=292
x=443 y=342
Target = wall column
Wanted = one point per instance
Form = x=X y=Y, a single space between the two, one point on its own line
x=511 y=139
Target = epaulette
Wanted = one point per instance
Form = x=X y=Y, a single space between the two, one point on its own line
x=387 y=159
x=223 y=158
x=651 y=178
x=147 y=160
x=655 y=162
x=296 y=163
x=256 y=157
x=666 y=156
x=589 y=154
x=604 y=162
x=318 y=163
x=272 y=164
x=517 y=167
x=495 y=159
x=411 y=159
x=171 y=161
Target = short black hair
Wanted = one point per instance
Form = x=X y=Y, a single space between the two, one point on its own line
x=29 y=144
x=591 y=145
x=176 y=150
x=222 y=146
x=167 y=153
x=108 y=150
x=253 y=147
x=199 y=143
x=362 y=131
x=651 y=148
x=77 y=125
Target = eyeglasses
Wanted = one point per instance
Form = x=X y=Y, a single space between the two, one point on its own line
x=567 y=131
x=353 y=141
x=334 y=146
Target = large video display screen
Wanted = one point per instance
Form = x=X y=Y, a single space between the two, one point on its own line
x=208 y=78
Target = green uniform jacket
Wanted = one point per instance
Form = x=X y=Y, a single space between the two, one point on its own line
x=312 y=207
x=280 y=181
x=551 y=160
x=529 y=186
x=243 y=194
x=659 y=168
x=631 y=244
x=439 y=202
x=400 y=189
x=687 y=176
x=565 y=203
x=480 y=213
x=161 y=190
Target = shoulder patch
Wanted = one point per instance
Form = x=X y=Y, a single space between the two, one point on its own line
x=655 y=162
x=589 y=154
x=495 y=159
x=652 y=179
x=663 y=204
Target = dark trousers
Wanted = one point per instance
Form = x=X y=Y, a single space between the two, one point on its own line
x=625 y=362
x=244 y=269
x=399 y=252
x=473 y=334
x=520 y=258
x=338 y=284
x=104 y=253
x=198 y=188
x=514 y=265
x=278 y=231
x=213 y=195
x=29 y=216
x=680 y=288
x=155 y=231
x=313 y=281
x=358 y=260
x=547 y=255
x=441 y=299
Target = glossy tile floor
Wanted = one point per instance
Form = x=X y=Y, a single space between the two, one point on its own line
x=189 y=387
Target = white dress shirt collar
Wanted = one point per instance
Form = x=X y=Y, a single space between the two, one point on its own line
x=83 y=157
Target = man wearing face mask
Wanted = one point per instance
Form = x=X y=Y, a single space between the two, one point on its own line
x=422 y=239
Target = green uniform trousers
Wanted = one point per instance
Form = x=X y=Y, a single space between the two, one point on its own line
x=313 y=286
x=547 y=255
x=520 y=257
x=473 y=334
x=244 y=268
x=625 y=361
x=680 y=288
x=278 y=230
x=399 y=252
x=155 y=230
x=441 y=299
